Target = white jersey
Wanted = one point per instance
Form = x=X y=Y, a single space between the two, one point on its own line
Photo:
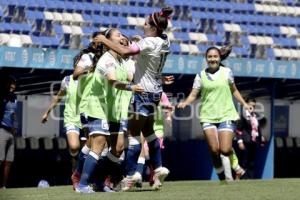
x=86 y=61
x=129 y=65
x=150 y=63
x=214 y=76
x=66 y=82
x=107 y=64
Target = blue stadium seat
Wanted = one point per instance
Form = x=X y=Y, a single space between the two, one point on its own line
x=203 y=48
x=243 y=7
x=5 y=27
x=58 y=29
x=270 y=53
x=35 y=15
x=182 y=36
x=175 y=48
x=85 y=42
x=87 y=30
x=215 y=39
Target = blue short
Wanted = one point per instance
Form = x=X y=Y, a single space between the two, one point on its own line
x=118 y=127
x=145 y=103
x=72 y=128
x=223 y=126
x=84 y=120
x=98 y=126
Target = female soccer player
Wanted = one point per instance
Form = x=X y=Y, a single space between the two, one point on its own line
x=83 y=62
x=217 y=111
x=152 y=52
x=99 y=106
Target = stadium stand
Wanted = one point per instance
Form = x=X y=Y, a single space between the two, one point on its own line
x=272 y=27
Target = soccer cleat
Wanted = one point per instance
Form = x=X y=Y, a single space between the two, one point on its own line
x=107 y=189
x=84 y=189
x=240 y=174
x=75 y=179
x=159 y=177
x=130 y=181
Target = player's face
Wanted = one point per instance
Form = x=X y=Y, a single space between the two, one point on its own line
x=213 y=59
x=116 y=36
x=124 y=41
x=147 y=25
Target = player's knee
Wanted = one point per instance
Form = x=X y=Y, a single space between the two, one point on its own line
x=215 y=150
x=74 y=146
x=226 y=151
x=74 y=151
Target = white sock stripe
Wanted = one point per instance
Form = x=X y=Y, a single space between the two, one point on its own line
x=210 y=127
x=85 y=150
x=104 y=151
x=112 y=158
x=94 y=155
x=141 y=160
x=122 y=157
x=134 y=140
x=151 y=137
x=225 y=129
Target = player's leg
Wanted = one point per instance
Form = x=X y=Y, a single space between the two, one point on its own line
x=98 y=134
x=211 y=136
x=226 y=130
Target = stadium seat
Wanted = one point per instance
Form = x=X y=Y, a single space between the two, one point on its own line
x=33 y=143
x=132 y=21
x=20 y=143
x=279 y=142
x=47 y=143
x=61 y=143
x=76 y=30
x=67 y=29
x=198 y=37
x=277 y=53
x=14 y=41
x=57 y=17
x=175 y=48
x=193 y=49
x=184 y=48
x=26 y=40
x=67 y=18
x=4 y=38
x=77 y=18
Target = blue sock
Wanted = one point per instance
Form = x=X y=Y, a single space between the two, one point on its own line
x=155 y=153
x=132 y=155
x=88 y=167
x=140 y=165
x=81 y=159
x=100 y=173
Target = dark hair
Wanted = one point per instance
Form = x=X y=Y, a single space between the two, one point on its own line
x=212 y=48
x=98 y=52
x=160 y=19
x=225 y=51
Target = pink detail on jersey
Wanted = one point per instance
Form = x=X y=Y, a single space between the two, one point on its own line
x=134 y=48
x=164 y=100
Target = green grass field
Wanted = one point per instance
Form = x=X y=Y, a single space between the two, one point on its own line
x=251 y=189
